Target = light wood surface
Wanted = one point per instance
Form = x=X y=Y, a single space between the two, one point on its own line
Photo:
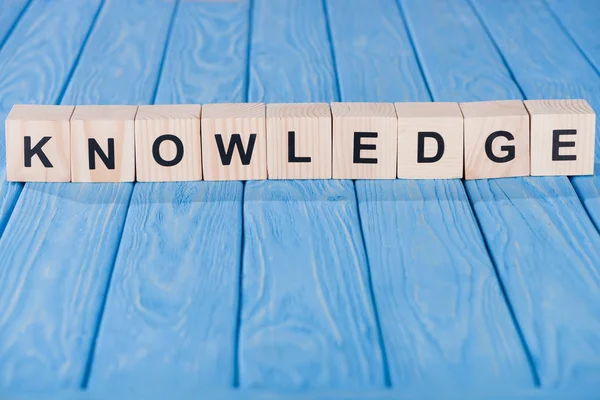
x=562 y=137
x=497 y=129
x=309 y=124
x=443 y=119
x=180 y=155
x=364 y=140
x=104 y=125
x=222 y=124
x=38 y=144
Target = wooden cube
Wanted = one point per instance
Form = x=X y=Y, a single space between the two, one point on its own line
x=364 y=140
x=496 y=139
x=430 y=140
x=234 y=141
x=37 y=143
x=167 y=143
x=102 y=144
x=299 y=141
x=562 y=137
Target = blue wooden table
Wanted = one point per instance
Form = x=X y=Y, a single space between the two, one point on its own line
x=299 y=289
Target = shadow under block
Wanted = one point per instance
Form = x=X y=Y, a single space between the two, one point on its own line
x=562 y=137
x=234 y=141
x=167 y=143
x=496 y=139
x=299 y=141
x=37 y=143
x=364 y=140
x=430 y=140
x=102 y=144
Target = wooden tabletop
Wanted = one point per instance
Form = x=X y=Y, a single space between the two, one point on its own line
x=299 y=289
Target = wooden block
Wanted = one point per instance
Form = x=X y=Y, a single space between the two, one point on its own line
x=167 y=143
x=299 y=141
x=430 y=140
x=562 y=137
x=364 y=140
x=234 y=141
x=102 y=144
x=496 y=139
x=37 y=143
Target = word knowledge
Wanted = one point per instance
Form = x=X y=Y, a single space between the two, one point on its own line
x=299 y=141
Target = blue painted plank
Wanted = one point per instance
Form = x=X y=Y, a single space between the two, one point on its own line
x=151 y=392
x=547 y=64
x=579 y=18
x=12 y=11
x=540 y=238
x=207 y=59
x=307 y=317
x=171 y=311
x=61 y=240
x=444 y=320
x=39 y=79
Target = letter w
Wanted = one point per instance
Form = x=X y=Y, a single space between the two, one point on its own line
x=236 y=141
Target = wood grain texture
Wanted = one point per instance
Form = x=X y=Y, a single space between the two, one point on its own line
x=350 y=121
x=580 y=22
x=31 y=127
x=529 y=224
x=307 y=318
x=213 y=37
x=299 y=41
x=305 y=128
x=439 y=312
x=38 y=79
x=53 y=272
x=484 y=118
x=171 y=306
x=170 y=315
x=85 y=232
x=103 y=124
x=445 y=321
x=150 y=391
x=415 y=121
x=173 y=130
x=12 y=11
x=565 y=343
x=370 y=53
x=575 y=123
x=228 y=121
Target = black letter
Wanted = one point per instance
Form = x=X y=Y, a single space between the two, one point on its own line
x=557 y=144
x=36 y=150
x=358 y=146
x=292 y=149
x=156 y=150
x=421 y=147
x=510 y=150
x=94 y=147
x=236 y=141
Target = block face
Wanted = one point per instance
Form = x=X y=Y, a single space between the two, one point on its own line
x=430 y=140
x=234 y=141
x=167 y=143
x=103 y=131
x=496 y=139
x=38 y=143
x=364 y=140
x=562 y=137
x=299 y=141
